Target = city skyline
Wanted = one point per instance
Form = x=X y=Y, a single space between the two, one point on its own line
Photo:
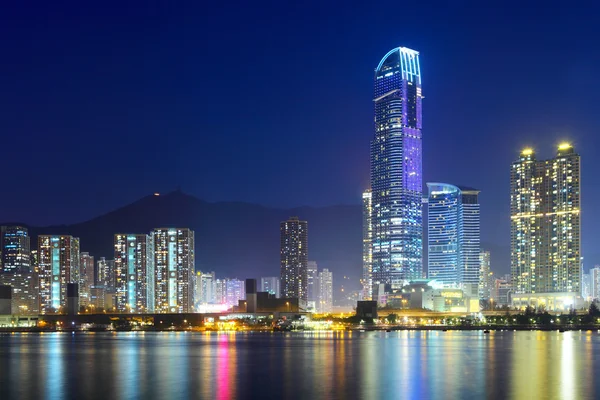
x=338 y=173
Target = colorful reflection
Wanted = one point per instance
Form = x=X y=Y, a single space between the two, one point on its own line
x=403 y=364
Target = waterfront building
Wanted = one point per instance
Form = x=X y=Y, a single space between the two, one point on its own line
x=205 y=288
x=545 y=223
x=25 y=291
x=105 y=272
x=86 y=278
x=270 y=284
x=586 y=286
x=486 y=276
x=325 y=302
x=294 y=258
x=15 y=253
x=367 y=210
x=174 y=263
x=221 y=291
x=396 y=178
x=236 y=291
x=312 y=274
x=58 y=266
x=502 y=291
x=453 y=235
x=134 y=273
x=595 y=282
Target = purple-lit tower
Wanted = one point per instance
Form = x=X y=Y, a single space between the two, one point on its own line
x=396 y=179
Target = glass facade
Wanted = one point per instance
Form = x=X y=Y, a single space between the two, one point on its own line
x=14 y=249
x=445 y=233
x=396 y=181
x=545 y=222
x=453 y=235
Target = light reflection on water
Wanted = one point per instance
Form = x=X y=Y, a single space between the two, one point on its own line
x=406 y=364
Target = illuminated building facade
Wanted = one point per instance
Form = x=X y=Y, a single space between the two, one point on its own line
x=58 y=266
x=325 y=303
x=545 y=223
x=236 y=291
x=105 y=273
x=205 y=288
x=486 y=276
x=86 y=278
x=294 y=258
x=367 y=282
x=270 y=284
x=25 y=291
x=312 y=284
x=134 y=273
x=453 y=235
x=14 y=249
x=174 y=266
x=396 y=178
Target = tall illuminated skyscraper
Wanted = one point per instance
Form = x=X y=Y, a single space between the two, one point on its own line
x=174 y=259
x=58 y=266
x=134 y=273
x=14 y=249
x=453 y=235
x=545 y=222
x=396 y=179
x=294 y=258
x=486 y=276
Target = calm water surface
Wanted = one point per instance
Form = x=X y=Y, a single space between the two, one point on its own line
x=370 y=365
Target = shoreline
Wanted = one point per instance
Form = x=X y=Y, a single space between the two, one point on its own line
x=484 y=328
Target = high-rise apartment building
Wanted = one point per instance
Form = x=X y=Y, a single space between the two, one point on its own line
x=15 y=253
x=325 y=302
x=396 y=178
x=312 y=281
x=105 y=273
x=545 y=222
x=453 y=235
x=471 y=226
x=58 y=266
x=221 y=291
x=25 y=291
x=86 y=278
x=270 y=284
x=294 y=258
x=174 y=259
x=236 y=291
x=205 y=288
x=595 y=282
x=134 y=273
x=486 y=276
x=366 y=281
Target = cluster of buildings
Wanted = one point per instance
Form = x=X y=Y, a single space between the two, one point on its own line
x=149 y=273
x=399 y=221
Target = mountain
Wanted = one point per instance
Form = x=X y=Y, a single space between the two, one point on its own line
x=232 y=238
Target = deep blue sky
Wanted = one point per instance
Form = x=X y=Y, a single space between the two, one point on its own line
x=271 y=102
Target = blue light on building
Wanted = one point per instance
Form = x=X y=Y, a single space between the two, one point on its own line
x=453 y=234
x=396 y=180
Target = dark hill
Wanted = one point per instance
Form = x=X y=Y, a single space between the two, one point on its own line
x=232 y=238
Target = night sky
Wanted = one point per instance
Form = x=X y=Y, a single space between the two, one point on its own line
x=271 y=103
